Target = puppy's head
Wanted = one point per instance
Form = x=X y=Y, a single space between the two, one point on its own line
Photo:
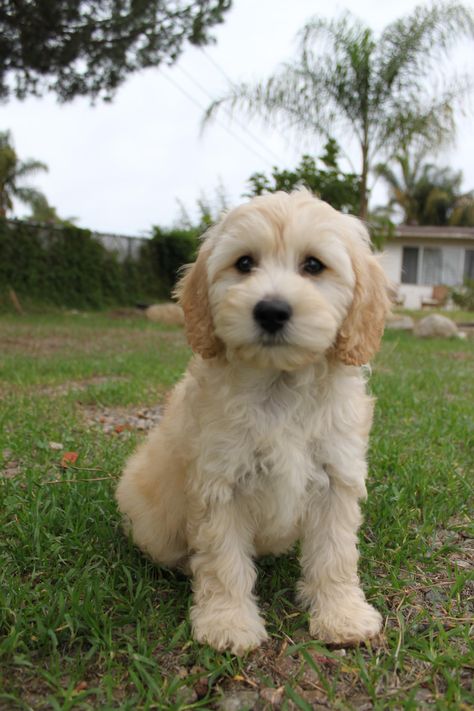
x=282 y=281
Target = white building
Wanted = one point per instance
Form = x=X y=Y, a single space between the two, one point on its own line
x=421 y=260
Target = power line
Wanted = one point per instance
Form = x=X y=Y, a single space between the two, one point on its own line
x=217 y=66
x=227 y=77
x=241 y=125
x=193 y=99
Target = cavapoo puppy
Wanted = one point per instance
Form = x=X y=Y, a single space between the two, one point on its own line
x=263 y=442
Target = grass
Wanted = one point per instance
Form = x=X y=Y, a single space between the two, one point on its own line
x=86 y=622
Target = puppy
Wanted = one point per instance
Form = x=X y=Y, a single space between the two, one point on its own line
x=263 y=442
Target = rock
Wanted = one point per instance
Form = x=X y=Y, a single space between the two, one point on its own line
x=436 y=326
x=238 y=701
x=274 y=697
x=185 y=695
x=400 y=323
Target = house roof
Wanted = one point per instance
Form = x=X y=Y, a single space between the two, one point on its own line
x=432 y=232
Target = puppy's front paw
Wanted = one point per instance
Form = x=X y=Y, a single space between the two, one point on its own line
x=239 y=629
x=345 y=620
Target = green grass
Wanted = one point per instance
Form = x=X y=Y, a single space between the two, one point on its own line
x=86 y=622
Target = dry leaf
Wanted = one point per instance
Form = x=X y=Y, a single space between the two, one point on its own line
x=69 y=458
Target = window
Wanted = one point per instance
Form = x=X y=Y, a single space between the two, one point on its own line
x=453 y=266
x=469 y=264
x=422 y=265
x=432 y=264
x=410 y=265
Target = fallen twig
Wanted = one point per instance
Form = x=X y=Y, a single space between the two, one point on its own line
x=16 y=302
x=83 y=469
x=78 y=481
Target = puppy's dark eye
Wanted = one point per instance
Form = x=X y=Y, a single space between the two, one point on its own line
x=245 y=264
x=313 y=266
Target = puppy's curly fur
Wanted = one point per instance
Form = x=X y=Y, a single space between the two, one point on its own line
x=264 y=440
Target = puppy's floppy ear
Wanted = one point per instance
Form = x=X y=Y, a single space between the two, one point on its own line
x=359 y=337
x=192 y=294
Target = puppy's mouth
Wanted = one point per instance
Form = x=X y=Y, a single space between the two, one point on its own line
x=275 y=340
x=272 y=316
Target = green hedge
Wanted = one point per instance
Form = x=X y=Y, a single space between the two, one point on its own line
x=66 y=266
x=169 y=250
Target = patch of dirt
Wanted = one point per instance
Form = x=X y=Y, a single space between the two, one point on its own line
x=456 y=355
x=29 y=341
x=267 y=674
x=121 y=420
x=32 y=344
x=459 y=534
x=261 y=682
x=126 y=313
x=11 y=467
x=78 y=385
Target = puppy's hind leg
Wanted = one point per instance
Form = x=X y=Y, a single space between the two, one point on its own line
x=150 y=496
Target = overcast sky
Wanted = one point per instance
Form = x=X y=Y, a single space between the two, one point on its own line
x=122 y=167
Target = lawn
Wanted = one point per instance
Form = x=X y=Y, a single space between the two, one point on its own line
x=87 y=622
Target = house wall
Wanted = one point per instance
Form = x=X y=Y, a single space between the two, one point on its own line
x=391 y=261
x=413 y=294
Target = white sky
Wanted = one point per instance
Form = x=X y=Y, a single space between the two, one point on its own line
x=121 y=167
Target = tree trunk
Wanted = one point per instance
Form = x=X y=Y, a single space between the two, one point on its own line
x=363 y=200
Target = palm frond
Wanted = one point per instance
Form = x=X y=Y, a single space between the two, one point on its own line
x=27 y=195
x=414 y=46
x=285 y=99
x=29 y=167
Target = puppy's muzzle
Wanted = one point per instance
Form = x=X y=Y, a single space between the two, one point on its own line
x=272 y=314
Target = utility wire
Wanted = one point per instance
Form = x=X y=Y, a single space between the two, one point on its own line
x=222 y=125
x=217 y=66
x=241 y=125
x=231 y=81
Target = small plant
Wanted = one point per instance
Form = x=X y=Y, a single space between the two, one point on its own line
x=328 y=181
x=463 y=296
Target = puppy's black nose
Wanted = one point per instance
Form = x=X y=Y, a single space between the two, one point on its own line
x=272 y=314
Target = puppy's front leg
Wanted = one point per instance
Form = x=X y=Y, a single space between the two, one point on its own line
x=224 y=613
x=330 y=587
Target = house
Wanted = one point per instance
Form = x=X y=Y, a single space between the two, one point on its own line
x=422 y=261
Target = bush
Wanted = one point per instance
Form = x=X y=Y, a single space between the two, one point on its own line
x=463 y=296
x=65 y=266
x=169 y=250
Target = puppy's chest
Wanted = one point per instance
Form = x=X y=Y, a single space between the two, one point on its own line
x=281 y=464
x=259 y=441
x=282 y=441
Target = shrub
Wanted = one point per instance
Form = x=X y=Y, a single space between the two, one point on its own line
x=169 y=250
x=66 y=266
x=463 y=296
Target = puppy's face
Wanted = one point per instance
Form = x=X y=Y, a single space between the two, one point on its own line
x=283 y=274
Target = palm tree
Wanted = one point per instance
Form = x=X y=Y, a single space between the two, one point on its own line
x=12 y=173
x=42 y=211
x=376 y=90
x=462 y=213
x=427 y=194
x=401 y=180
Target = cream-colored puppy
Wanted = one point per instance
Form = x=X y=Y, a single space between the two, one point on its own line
x=263 y=442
